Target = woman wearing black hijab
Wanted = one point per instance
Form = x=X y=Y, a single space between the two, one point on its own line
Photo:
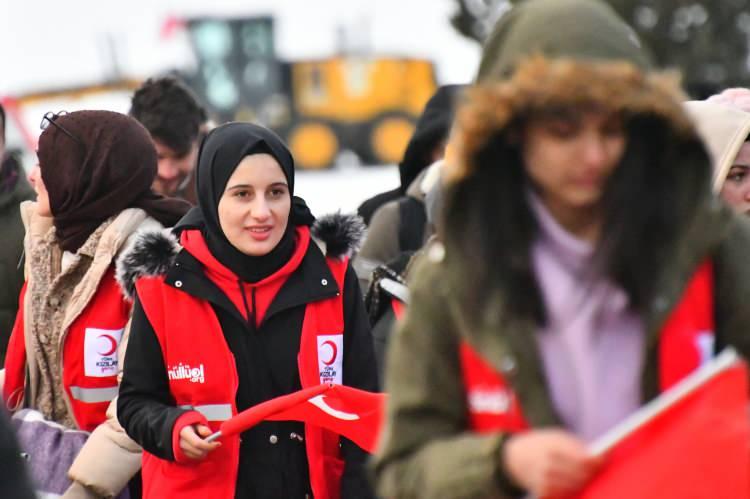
x=257 y=300
x=93 y=185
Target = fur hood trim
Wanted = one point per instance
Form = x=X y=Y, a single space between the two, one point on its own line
x=543 y=83
x=151 y=253
x=339 y=235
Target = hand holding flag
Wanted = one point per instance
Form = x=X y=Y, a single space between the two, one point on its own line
x=692 y=442
x=352 y=413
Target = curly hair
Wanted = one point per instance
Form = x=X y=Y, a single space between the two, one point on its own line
x=170 y=112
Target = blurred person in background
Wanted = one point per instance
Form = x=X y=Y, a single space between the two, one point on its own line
x=386 y=302
x=14 y=189
x=582 y=248
x=724 y=122
x=255 y=301
x=177 y=122
x=93 y=185
x=425 y=147
x=399 y=224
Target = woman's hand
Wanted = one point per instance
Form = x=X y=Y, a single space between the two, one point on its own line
x=192 y=443
x=549 y=463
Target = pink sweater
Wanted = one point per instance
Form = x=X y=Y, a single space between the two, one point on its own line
x=592 y=346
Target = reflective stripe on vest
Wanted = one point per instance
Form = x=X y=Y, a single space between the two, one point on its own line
x=212 y=412
x=93 y=395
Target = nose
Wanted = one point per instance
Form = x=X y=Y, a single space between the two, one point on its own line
x=746 y=189
x=260 y=211
x=167 y=170
x=595 y=150
x=32 y=175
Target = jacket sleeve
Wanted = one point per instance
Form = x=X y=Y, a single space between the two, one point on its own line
x=359 y=372
x=426 y=450
x=732 y=287
x=145 y=406
x=109 y=458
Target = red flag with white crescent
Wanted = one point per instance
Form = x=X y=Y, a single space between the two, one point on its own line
x=696 y=449
x=352 y=413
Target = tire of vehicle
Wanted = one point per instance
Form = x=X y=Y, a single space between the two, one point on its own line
x=388 y=137
x=314 y=144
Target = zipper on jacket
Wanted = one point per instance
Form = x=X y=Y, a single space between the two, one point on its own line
x=255 y=308
x=250 y=313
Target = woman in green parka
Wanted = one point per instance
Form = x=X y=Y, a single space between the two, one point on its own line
x=578 y=218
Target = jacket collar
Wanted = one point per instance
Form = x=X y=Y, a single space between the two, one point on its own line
x=515 y=353
x=312 y=281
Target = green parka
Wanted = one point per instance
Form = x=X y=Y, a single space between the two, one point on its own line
x=543 y=53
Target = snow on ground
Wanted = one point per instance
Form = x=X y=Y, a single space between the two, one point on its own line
x=344 y=187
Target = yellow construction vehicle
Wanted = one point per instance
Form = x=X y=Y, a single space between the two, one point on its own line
x=365 y=103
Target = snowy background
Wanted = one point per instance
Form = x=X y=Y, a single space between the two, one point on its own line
x=48 y=44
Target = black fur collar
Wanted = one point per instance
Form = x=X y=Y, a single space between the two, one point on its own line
x=153 y=252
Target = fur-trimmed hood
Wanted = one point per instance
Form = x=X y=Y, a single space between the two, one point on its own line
x=556 y=54
x=543 y=83
x=153 y=252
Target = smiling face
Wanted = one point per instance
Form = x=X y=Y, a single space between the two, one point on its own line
x=736 y=188
x=173 y=169
x=254 y=208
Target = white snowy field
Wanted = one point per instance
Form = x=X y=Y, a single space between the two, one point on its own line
x=344 y=187
x=47 y=44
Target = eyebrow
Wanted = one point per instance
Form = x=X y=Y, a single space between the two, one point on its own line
x=248 y=186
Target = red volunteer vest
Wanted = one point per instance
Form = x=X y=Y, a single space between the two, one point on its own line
x=202 y=375
x=89 y=355
x=686 y=342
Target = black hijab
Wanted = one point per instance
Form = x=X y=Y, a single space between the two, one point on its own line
x=220 y=153
x=94 y=165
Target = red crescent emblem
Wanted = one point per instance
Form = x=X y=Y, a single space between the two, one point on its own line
x=334 y=352
x=112 y=344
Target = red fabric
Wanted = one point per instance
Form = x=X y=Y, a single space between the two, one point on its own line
x=228 y=282
x=107 y=310
x=355 y=414
x=398 y=308
x=695 y=450
x=15 y=360
x=686 y=341
x=323 y=318
x=490 y=400
x=254 y=415
x=190 y=335
x=187 y=419
x=687 y=336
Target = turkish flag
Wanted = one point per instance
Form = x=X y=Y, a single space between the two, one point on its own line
x=352 y=413
x=699 y=448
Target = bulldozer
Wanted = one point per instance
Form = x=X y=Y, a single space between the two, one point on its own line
x=363 y=103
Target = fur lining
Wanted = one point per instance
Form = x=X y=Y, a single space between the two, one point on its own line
x=151 y=254
x=341 y=234
x=540 y=82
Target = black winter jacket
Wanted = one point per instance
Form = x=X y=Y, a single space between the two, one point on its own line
x=273 y=462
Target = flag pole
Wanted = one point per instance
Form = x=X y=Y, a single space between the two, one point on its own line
x=213 y=436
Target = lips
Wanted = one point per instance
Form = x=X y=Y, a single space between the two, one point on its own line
x=260 y=232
